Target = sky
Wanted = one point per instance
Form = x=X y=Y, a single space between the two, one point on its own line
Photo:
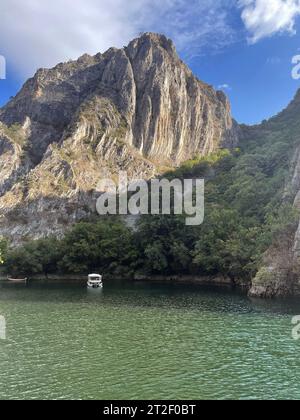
x=244 y=47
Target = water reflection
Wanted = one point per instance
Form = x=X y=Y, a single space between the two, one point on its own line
x=143 y=341
x=152 y=295
x=2 y=328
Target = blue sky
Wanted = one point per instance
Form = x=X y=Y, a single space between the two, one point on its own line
x=242 y=46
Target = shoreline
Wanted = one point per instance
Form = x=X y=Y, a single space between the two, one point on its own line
x=264 y=292
x=220 y=281
x=53 y=278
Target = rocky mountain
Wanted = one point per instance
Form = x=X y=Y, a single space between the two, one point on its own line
x=141 y=109
x=280 y=272
x=138 y=109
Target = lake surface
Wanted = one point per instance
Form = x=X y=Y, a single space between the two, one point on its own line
x=146 y=342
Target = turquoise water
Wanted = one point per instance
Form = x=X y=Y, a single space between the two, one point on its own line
x=146 y=342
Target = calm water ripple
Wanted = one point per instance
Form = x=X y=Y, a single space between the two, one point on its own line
x=144 y=342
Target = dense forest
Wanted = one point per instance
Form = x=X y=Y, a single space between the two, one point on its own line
x=247 y=209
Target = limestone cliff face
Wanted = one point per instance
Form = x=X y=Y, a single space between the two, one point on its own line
x=138 y=109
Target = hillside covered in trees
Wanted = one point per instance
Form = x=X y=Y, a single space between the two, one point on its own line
x=248 y=209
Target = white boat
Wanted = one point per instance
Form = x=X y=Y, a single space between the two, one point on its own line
x=95 y=281
x=17 y=280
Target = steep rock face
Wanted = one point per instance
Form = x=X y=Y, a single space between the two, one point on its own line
x=280 y=274
x=138 y=109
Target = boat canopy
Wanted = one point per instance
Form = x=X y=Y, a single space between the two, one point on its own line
x=95 y=277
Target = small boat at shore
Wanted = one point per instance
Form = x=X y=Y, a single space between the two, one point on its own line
x=12 y=280
x=95 y=281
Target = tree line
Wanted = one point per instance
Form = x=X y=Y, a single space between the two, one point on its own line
x=246 y=210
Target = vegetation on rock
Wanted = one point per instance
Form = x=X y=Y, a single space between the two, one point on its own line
x=246 y=211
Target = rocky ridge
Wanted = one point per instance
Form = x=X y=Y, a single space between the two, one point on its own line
x=279 y=275
x=138 y=109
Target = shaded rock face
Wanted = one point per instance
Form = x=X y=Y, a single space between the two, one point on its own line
x=138 y=109
x=280 y=274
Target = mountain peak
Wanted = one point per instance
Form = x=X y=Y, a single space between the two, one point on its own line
x=138 y=109
x=153 y=40
x=291 y=112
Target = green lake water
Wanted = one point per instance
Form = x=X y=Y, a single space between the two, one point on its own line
x=146 y=342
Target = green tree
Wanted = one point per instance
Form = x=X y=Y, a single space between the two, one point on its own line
x=3 y=250
x=106 y=246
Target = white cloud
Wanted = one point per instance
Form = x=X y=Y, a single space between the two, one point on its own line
x=264 y=18
x=224 y=86
x=35 y=33
x=197 y=26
